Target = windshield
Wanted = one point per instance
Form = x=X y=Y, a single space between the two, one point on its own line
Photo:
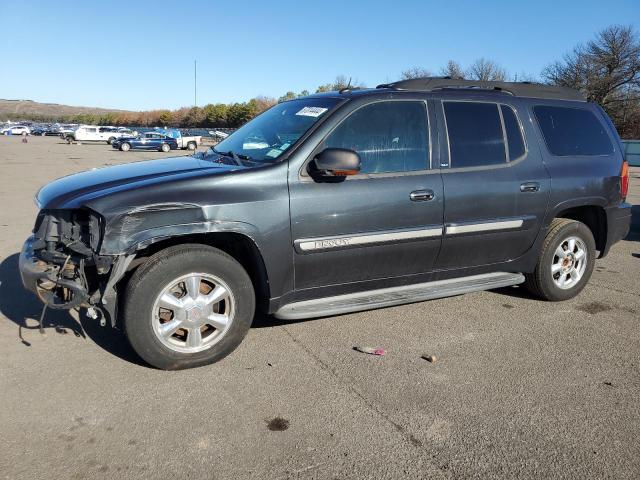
x=270 y=134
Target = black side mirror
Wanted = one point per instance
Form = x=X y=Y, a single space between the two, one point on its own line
x=335 y=163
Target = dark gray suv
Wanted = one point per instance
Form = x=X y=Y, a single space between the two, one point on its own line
x=335 y=203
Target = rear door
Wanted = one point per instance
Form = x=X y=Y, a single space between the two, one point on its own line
x=495 y=185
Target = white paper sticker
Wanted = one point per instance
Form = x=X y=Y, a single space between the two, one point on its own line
x=274 y=152
x=312 y=111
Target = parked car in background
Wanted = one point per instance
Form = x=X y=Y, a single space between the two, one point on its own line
x=45 y=131
x=16 y=130
x=146 y=141
x=185 y=141
x=94 y=133
x=336 y=203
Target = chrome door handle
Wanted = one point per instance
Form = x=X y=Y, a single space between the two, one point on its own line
x=530 y=187
x=421 y=195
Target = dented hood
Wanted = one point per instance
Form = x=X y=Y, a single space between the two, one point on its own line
x=74 y=190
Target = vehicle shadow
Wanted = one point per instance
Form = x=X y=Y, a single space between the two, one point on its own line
x=634 y=231
x=24 y=309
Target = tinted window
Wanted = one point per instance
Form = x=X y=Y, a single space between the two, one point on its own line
x=514 y=133
x=572 y=131
x=475 y=134
x=388 y=136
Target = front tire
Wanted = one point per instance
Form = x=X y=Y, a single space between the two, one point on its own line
x=566 y=261
x=111 y=140
x=188 y=306
x=125 y=147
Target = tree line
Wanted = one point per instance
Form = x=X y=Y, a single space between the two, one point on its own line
x=606 y=69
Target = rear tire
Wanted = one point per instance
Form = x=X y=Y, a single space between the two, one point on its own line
x=191 y=146
x=165 y=147
x=125 y=147
x=159 y=328
x=566 y=261
x=110 y=141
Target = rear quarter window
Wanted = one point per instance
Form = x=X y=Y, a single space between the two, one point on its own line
x=572 y=131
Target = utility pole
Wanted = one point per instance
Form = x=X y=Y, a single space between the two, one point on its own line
x=195 y=83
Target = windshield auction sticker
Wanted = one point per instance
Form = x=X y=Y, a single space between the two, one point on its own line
x=312 y=111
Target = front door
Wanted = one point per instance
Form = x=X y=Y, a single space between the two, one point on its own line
x=384 y=222
x=495 y=187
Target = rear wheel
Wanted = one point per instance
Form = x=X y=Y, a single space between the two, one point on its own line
x=70 y=139
x=111 y=140
x=566 y=261
x=191 y=146
x=187 y=306
x=165 y=147
x=125 y=147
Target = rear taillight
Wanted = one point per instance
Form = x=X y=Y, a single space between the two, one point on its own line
x=624 y=180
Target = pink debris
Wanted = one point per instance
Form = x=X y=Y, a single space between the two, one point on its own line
x=371 y=350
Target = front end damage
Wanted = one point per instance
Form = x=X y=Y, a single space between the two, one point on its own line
x=61 y=264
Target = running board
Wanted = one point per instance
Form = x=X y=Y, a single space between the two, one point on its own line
x=387 y=297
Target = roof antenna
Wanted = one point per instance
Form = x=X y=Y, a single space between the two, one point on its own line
x=347 y=88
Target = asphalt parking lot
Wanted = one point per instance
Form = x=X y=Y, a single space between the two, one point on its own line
x=520 y=389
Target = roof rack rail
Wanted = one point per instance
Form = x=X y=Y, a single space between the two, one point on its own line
x=518 y=89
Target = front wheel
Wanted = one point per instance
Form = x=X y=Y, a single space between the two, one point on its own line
x=125 y=147
x=566 y=261
x=187 y=306
x=165 y=147
x=111 y=140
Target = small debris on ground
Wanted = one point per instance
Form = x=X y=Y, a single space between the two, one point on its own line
x=370 y=350
x=278 y=424
x=429 y=358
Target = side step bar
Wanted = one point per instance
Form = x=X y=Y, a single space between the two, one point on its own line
x=387 y=297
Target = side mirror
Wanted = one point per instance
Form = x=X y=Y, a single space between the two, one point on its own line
x=335 y=163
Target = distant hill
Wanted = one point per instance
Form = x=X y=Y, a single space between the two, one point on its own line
x=30 y=110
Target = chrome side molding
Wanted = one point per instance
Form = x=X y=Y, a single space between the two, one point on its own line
x=483 y=227
x=344 y=241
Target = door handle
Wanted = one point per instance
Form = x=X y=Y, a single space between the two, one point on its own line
x=421 y=195
x=530 y=187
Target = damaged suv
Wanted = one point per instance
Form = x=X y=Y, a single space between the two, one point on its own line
x=336 y=203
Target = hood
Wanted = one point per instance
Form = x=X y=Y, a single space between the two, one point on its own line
x=74 y=190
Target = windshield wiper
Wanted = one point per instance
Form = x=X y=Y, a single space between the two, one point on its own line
x=237 y=157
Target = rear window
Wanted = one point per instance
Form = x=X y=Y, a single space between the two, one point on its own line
x=572 y=131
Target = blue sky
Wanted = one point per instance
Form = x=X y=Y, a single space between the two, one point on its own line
x=139 y=55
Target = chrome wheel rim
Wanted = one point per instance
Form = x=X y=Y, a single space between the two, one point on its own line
x=193 y=312
x=569 y=262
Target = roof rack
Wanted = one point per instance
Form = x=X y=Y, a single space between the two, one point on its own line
x=518 y=89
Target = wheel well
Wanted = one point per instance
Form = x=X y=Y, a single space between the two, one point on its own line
x=593 y=217
x=239 y=246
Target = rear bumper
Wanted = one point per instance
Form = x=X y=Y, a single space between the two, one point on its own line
x=618 y=225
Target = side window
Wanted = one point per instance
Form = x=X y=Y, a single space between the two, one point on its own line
x=475 y=134
x=388 y=136
x=572 y=131
x=515 y=142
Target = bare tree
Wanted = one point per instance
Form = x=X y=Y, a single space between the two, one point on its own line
x=415 y=72
x=453 y=70
x=486 y=70
x=601 y=67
